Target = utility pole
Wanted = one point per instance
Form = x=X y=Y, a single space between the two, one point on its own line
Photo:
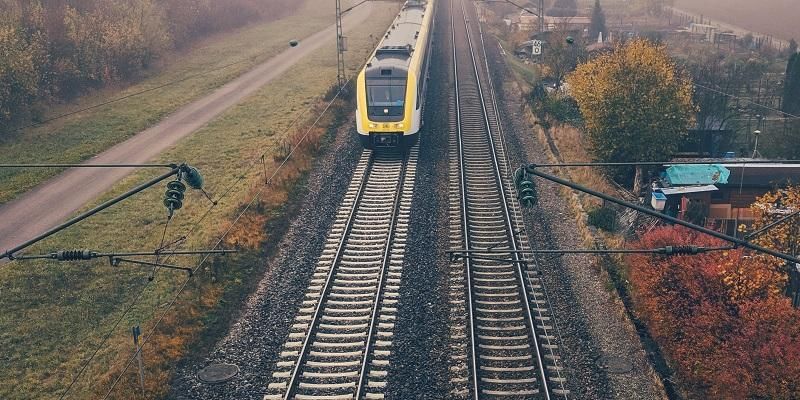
x=136 y=333
x=340 y=47
x=541 y=18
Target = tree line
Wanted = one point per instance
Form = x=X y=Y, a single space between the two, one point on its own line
x=57 y=49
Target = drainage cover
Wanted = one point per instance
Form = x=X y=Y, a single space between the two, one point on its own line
x=614 y=364
x=218 y=373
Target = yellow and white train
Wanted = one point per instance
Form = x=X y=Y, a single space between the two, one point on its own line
x=391 y=88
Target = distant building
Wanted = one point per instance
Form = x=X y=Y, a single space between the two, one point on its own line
x=719 y=195
x=709 y=32
x=525 y=21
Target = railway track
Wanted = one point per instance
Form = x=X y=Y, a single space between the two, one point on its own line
x=340 y=342
x=509 y=334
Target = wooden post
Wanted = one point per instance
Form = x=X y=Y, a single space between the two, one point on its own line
x=136 y=333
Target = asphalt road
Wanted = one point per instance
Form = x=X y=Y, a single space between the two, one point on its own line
x=56 y=199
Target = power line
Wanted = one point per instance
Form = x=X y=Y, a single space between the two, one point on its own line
x=747 y=101
x=236 y=220
x=196 y=225
x=666 y=250
x=218 y=242
x=533 y=169
x=182 y=241
x=88 y=165
x=105 y=339
x=664 y=163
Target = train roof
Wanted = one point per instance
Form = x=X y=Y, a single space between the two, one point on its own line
x=397 y=46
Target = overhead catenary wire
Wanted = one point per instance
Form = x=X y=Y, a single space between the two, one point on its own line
x=88 y=165
x=736 y=241
x=180 y=242
x=733 y=161
x=666 y=250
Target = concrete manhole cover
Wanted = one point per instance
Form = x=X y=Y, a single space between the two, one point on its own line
x=614 y=364
x=218 y=373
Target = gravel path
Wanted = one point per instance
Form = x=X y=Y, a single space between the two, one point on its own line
x=52 y=201
x=594 y=327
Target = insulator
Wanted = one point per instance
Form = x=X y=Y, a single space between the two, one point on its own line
x=73 y=255
x=525 y=187
x=527 y=197
x=193 y=178
x=173 y=198
x=176 y=185
x=681 y=250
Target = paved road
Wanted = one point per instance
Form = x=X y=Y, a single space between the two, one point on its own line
x=53 y=201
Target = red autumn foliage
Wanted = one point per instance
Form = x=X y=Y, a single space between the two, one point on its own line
x=719 y=318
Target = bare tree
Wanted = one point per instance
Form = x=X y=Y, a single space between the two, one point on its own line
x=562 y=54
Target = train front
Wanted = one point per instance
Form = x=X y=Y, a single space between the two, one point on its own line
x=386 y=104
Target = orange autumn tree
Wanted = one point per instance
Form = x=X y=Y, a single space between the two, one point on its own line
x=773 y=206
x=719 y=317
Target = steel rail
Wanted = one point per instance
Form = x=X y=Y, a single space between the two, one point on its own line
x=525 y=295
x=464 y=219
x=520 y=265
x=382 y=276
x=507 y=211
x=293 y=381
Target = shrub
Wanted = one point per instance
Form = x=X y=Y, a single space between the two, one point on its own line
x=604 y=218
x=554 y=106
x=719 y=317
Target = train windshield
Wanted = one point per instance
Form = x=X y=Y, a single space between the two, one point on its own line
x=386 y=99
x=387 y=96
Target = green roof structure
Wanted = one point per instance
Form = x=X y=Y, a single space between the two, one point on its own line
x=697 y=174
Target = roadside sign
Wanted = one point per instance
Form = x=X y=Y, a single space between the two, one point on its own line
x=536 y=47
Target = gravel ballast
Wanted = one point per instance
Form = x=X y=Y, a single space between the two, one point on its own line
x=255 y=338
x=601 y=349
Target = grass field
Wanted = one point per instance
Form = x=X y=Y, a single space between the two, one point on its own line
x=79 y=137
x=525 y=73
x=778 y=18
x=55 y=315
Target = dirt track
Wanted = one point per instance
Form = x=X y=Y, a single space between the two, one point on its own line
x=53 y=201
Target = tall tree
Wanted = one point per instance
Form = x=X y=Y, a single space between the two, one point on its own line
x=598 y=23
x=792 y=48
x=561 y=57
x=791 y=90
x=636 y=104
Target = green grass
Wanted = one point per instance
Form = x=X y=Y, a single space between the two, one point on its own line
x=54 y=315
x=79 y=137
x=525 y=73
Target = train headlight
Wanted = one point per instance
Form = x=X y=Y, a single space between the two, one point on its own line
x=373 y=125
x=400 y=125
